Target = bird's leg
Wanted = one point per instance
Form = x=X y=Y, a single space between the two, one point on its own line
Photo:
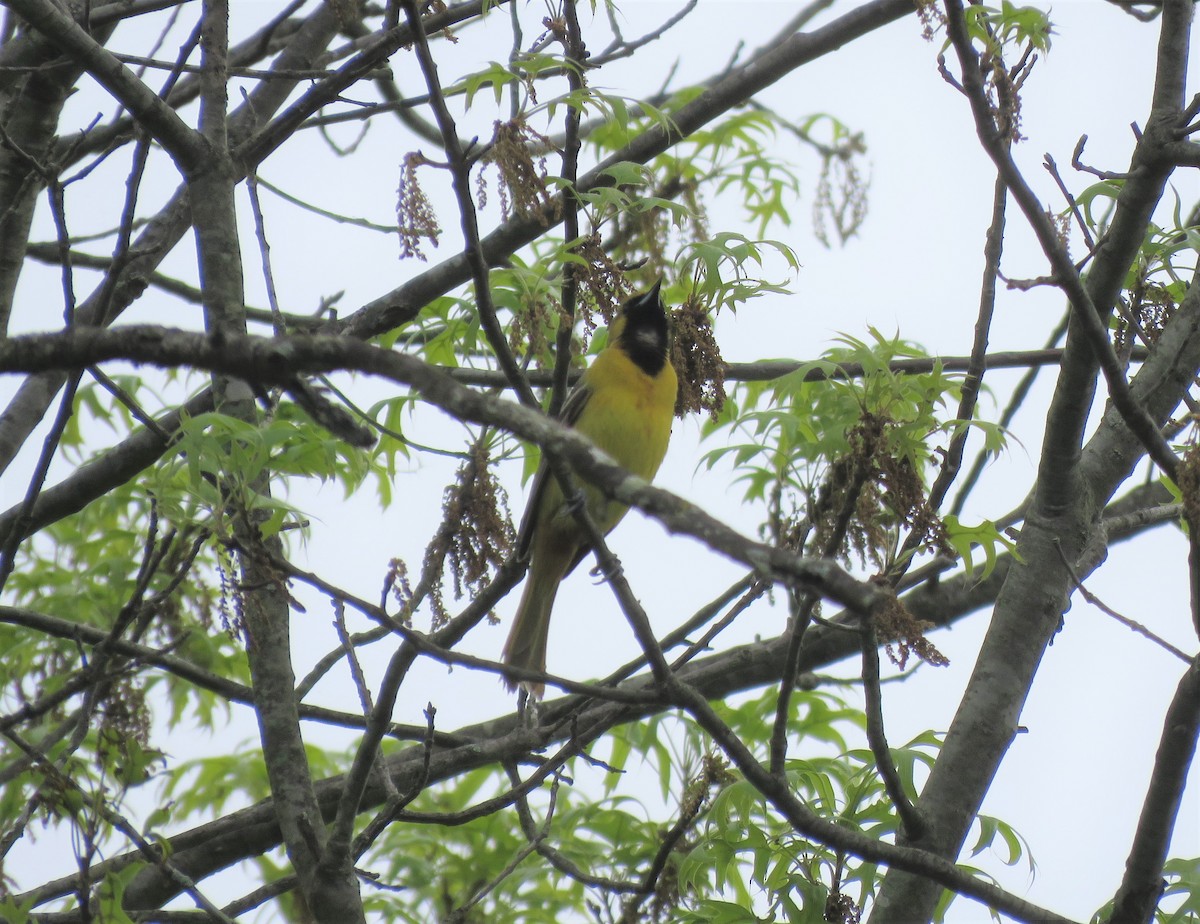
x=527 y=707
x=573 y=504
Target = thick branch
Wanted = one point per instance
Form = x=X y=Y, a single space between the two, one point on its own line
x=184 y=144
x=1066 y=503
x=1142 y=886
x=274 y=361
x=124 y=461
x=161 y=234
x=402 y=304
x=244 y=834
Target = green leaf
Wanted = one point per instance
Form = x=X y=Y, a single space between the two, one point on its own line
x=985 y=536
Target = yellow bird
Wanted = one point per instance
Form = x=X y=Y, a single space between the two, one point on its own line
x=624 y=403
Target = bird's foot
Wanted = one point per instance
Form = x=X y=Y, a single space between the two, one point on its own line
x=527 y=707
x=604 y=575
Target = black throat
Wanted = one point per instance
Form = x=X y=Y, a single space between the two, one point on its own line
x=644 y=340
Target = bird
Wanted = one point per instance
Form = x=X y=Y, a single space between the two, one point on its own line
x=625 y=404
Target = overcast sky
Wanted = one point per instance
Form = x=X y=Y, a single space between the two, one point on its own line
x=914 y=269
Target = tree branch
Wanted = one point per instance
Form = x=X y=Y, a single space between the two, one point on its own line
x=183 y=143
x=271 y=361
x=248 y=832
x=1142 y=886
x=1063 y=510
x=160 y=235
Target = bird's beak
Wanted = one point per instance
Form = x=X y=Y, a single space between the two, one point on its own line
x=652 y=296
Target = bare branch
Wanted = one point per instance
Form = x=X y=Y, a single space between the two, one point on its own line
x=271 y=361
x=1123 y=620
x=1062 y=509
x=1142 y=886
x=243 y=834
x=184 y=144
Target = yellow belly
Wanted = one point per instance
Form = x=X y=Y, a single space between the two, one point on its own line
x=629 y=416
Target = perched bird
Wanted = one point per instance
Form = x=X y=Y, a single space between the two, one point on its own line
x=624 y=403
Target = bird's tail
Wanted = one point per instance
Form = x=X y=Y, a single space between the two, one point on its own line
x=526 y=645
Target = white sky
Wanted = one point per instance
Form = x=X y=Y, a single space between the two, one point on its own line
x=1073 y=785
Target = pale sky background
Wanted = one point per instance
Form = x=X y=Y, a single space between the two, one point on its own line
x=1073 y=785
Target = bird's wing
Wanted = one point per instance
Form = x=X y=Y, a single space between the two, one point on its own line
x=569 y=415
x=576 y=401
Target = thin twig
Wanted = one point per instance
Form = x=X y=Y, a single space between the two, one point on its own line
x=1109 y=611
x=462 y=912
x=1052 y=169
x=460 y=177
x=397 y=802
x=1015 y=402
x=910 y=816
x=1083 y=309
x=1084 y=168
x=324 y=213
x=538 y=839
x=152 y=853
x=249 y=72
x=803 y=611
x=575 y=58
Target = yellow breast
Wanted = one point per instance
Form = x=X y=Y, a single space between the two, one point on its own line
x=629 y=413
